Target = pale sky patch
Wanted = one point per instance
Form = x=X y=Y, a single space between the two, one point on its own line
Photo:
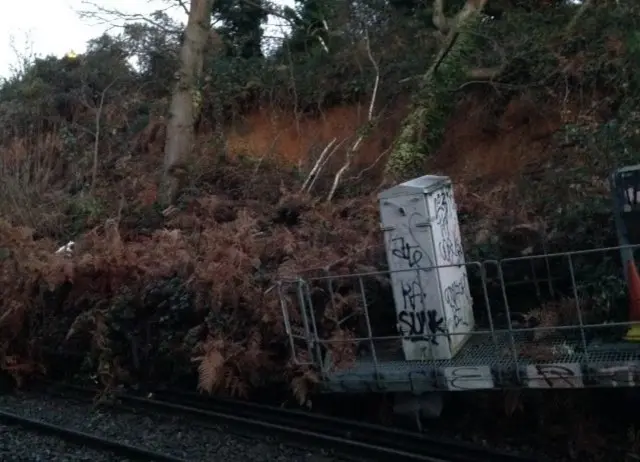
x=42 y=27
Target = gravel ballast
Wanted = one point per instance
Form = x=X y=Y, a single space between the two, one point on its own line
x=172 y=435
x=19 y=445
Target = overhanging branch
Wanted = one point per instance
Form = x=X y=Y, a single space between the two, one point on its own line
x=110 y=16
x=184 y=6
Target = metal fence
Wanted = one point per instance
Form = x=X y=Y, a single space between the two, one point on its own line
x=541 y=321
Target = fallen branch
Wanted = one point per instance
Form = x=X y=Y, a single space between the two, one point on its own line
x=356 y=146
x=324 y=163
x=316 y=166
x=370 y=166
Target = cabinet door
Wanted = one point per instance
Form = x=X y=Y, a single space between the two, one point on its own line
x=416 y=290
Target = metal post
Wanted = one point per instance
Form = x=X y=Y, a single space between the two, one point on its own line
x=626 y=254
x=575 y=294
x=370 y=332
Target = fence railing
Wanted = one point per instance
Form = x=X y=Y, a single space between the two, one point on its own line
x=553 y=309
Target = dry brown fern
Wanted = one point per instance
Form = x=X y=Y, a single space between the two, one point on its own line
x=342 y=348
x=21 y=368
x=91 y=321
x=234 y=384
x=303 y=384
x=344 y=307
x=232 y=367
x=231 y=261
x=553 y=314
x=210 y=365
x=543 y=317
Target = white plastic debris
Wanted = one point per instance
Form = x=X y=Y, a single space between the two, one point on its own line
x=66 y=249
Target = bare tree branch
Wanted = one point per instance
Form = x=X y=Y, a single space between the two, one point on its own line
x=324 y=163
x=25 y=56
x=96 y=144
x=371 y=166
x=98 y=109
x=93 y=10
x=110 y=16
x=184 y=6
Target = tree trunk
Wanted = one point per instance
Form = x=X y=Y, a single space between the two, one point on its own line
x=180 y=129
x=423 y=128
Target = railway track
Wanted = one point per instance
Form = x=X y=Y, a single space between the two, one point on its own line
x=70 y=435
x=354 y=439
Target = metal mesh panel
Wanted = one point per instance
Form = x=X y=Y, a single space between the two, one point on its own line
x=541 y=321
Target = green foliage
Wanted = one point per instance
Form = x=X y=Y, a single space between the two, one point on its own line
x=611 y=45
x=151 y=334
x=309 y=17
x=532 y=45
x=84 y=212
x=300 y=73
x=241 y=27
x=53 y=91
x=156 y=49
x=407 y=7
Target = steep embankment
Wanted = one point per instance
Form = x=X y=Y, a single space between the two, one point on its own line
x=500 y=151
x=485 y=137
x=298 y=139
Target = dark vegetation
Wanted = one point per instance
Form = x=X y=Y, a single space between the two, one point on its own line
x=187 y=293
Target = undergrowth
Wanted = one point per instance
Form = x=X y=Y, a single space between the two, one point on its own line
x=198 y=292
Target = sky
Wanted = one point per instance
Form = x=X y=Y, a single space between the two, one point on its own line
x=38 y=28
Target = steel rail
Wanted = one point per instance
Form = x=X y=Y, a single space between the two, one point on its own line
x=86 y=439
x=447 y=449
x=354 y=438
